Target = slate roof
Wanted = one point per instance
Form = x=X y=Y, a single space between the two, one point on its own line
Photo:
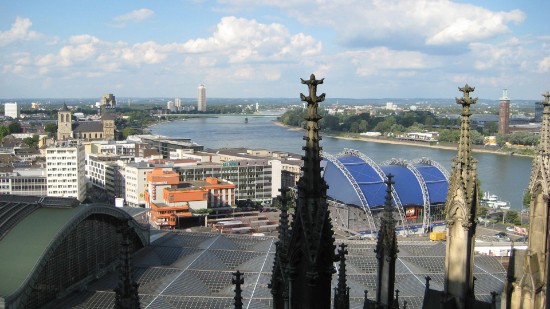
x=88 y=126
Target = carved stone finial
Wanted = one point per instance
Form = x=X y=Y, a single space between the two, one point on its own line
x=366 y=303
x=312 y=83
x=126 y=292
x=466 y=97
x=238 y=279
x=546 y=98
x=341 y=295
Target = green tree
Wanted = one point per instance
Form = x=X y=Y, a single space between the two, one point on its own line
x=363 y=126
x=429 y=122
x=15 y=127
x=476 y=138
x=526 y=198
x=127 y=132
x=385 y=125
x=451 y=136
x=482 y=211
x=512 y=216
x=4 y=131
x=32 y=142
x=490 y=128
x=51 y=128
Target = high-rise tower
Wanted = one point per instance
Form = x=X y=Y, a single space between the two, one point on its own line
x=504 y=113
x=201 y=98
x=527 y=286
x=304 y=257
x=460 y=208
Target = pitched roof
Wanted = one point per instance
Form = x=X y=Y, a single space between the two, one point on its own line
x=88 y=126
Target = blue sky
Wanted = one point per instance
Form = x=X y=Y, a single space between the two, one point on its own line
x=260 y=48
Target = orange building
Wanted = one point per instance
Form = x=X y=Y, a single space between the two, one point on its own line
x=171 y=200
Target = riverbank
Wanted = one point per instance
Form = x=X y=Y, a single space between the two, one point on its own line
x=385 y=140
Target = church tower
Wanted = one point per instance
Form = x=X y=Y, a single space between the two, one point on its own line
x=64 y=123
x=527 y=286
x=461 y=206
x=303 y=266
x=108 y=121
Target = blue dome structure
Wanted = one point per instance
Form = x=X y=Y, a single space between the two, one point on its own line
x=356 y=180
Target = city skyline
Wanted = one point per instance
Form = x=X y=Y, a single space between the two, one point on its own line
x=242 y=48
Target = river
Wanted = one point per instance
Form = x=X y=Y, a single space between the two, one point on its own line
x=505 y=176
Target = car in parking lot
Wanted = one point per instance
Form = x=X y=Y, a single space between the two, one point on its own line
x=510 y=229
x=523 y=239
x=501 y=234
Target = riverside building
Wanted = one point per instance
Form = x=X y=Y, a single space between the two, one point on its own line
x=201 y=98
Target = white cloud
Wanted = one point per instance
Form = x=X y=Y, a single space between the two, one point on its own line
x=375 y=60
x=401 y=24
x=134 y=16
x=510 y=54
x=241 y=40
x=544 y=65
x=19 y=31
x=478 y=25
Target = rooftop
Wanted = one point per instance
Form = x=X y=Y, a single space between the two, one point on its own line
x=194 y=270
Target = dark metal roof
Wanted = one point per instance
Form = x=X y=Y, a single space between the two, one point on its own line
x=88 y=126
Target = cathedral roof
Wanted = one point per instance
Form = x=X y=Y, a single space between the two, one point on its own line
x=88 y=126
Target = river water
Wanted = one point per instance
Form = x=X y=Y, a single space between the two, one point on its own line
x=505 y=176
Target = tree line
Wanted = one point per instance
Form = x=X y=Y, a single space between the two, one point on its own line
x=408 y=121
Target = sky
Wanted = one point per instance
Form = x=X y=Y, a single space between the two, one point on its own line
x=261 y=48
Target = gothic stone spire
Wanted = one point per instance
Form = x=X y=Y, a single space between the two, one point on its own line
x=460 y=208
x=126 y=296
x=530 y=288
x=238 y=279
x=341 y=292
x=386 y=252
x=311 y=247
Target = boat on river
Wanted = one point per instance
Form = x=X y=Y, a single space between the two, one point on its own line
x=493 y=201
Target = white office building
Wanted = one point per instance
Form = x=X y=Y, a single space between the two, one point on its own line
x=201 y=98
x=135 y=181
x=11 y=110
x=66 y=171
x=24 y=181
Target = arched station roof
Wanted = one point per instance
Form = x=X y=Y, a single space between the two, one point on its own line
x=32 y=228
x=410 y=179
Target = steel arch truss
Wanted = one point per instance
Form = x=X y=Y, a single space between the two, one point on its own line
x=382 y=175
x=423 y=188
x=431 y=162
x=355 y=185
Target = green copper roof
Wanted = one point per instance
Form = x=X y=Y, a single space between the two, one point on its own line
x=22 y=247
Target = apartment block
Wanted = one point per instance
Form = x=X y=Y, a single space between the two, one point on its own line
x=66 y=171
